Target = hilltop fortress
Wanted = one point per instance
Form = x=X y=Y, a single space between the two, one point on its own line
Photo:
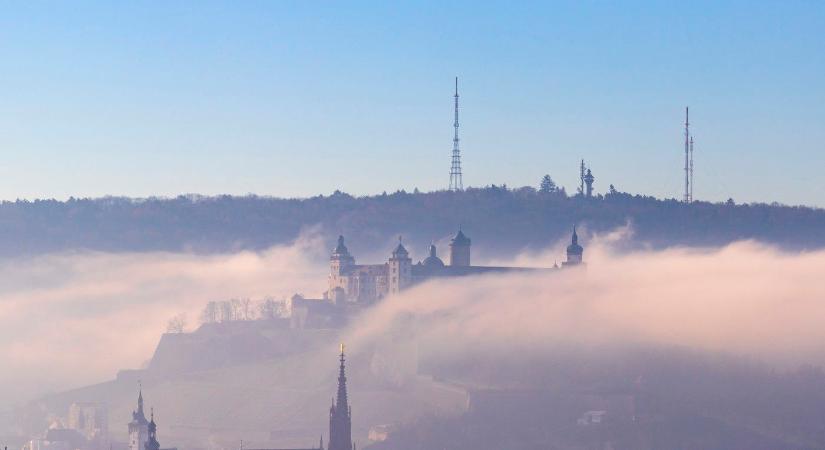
x=352 y=285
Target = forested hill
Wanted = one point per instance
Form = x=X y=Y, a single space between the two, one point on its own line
x=498 y=219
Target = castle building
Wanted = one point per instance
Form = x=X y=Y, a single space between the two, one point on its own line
x=351 y=283
x=138 y=427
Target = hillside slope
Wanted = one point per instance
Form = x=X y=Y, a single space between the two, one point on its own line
x=501 y=220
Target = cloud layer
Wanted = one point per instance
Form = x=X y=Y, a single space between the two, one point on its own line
x=745 y=299
x=73 y=319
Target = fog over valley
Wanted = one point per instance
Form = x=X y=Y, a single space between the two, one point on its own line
x=71 y=319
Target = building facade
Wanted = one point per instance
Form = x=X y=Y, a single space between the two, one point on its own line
x=364 y=284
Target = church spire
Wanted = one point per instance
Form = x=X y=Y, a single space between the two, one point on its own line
x=341 y=400
x=138 y=416
x=340 y=414
x=140 y=400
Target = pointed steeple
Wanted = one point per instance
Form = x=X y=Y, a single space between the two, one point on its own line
x=138 y=416
x=340 y=414
x=341 y=401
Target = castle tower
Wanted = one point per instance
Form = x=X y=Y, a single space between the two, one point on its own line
x=152 y=440
x=339 y=263
x=340 y=259
x=574 y=251
x=400 y=268
x=460 y=250
x=138 y=427
x=340 y=414
x=588 y=181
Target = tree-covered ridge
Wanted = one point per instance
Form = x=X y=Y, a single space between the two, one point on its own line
x=498 y=218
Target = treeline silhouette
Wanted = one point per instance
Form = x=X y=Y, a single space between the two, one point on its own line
x=497 y=218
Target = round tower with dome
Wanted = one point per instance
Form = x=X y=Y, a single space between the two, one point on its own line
x=574 y=251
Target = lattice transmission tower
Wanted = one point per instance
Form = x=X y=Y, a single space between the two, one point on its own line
x=686 y=197
x=455 y=168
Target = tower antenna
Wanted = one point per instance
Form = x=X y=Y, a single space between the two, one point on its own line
x=691 y=169
x=581 y=178
x=455 y=169
x=687 y=151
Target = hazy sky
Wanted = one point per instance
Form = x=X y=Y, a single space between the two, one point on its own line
x=299 y=98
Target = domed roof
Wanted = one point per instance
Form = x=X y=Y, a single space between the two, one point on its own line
x=433 y=260
x=574 y=247
x=340 y=249
x=460 y=239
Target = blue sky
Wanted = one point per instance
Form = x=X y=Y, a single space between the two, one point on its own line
x=300 y=98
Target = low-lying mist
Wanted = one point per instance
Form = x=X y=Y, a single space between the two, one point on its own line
x=73 y=319
x=745 y=299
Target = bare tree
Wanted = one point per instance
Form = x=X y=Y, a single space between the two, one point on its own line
x=246 y=310
x=210 y=313
x=177 y=324
x=226 y=311
x=269 y=309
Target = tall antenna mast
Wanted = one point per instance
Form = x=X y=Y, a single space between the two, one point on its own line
x=691 y=169
x=455 y=169
x=581 y=178
x=687 y=151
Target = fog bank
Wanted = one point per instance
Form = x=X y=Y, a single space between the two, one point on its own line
x=73 y=319
x=746 y=299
